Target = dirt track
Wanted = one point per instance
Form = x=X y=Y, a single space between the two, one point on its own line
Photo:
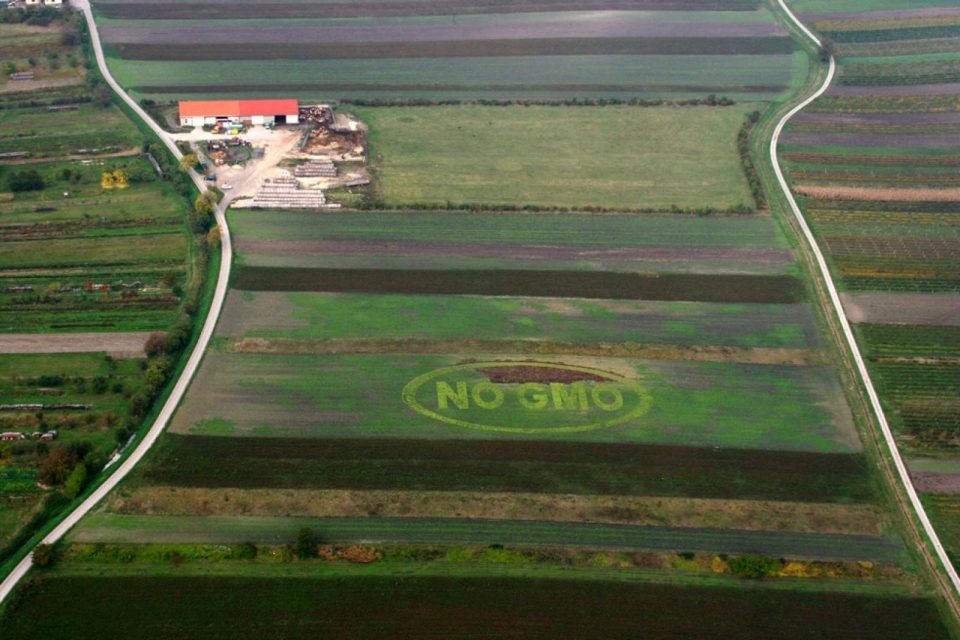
x=118 y=345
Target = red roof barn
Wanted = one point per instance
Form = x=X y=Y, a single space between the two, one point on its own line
x=196 y=113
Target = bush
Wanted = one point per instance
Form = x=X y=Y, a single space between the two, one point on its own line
x=43 y=555
x=305 y=545
x=76 y=482
x=26 y=180
x=753 y=567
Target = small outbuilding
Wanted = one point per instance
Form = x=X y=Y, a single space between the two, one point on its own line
x=197 y=113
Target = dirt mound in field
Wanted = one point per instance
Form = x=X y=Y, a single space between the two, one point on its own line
x=512 y=374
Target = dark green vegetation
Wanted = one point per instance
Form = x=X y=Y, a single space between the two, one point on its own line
x=403 y=51
x=499 y=465
x=435 y=607
x=95 y=256
x=551 y=284
x=875 y=159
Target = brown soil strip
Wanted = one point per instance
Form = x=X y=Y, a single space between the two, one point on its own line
x=633 y=510
x=512 y=251
x=284 y=346
x=117 y=345
x=403 y=34
x=884 y=194
x=385 y=89
x=279 y=50
x=873 y=140
x=933 y=482
x=132 y=151
x=509 y=282
x=203 y=10
x=902 y=308
x=952 y=88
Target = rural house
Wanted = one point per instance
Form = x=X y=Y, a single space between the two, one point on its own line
x=196 y=113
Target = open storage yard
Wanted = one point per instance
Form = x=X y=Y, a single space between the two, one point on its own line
x=561 y=372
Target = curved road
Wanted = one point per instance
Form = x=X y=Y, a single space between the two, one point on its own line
x=168 y=408
x=845 y=324
x=196 y=356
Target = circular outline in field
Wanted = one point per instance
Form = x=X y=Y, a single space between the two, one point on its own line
x=645 y=401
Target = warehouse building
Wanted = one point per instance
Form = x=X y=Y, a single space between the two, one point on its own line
x=196 y=113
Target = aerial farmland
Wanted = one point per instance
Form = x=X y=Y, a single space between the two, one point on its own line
x=561 y=363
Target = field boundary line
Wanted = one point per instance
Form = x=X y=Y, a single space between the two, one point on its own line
x=851 y=341
x=193 y=363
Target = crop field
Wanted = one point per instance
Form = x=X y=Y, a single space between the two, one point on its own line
x=325 y=316
x=83 y=130
x=554 y=466
x=490 y=50
x=706 y=404
x=40 y=49
x=447 y=240
x=465 y=607
x=582 y=158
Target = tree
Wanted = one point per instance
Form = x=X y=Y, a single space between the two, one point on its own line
x=27 y=180
x=120 y=179
x=43 y=555
x=157 y=344
x=76 y=481
x=306 y=544
x=102 y=96
x=107 y=181
x=188 y=162
x=57 y=466
x=213 y=237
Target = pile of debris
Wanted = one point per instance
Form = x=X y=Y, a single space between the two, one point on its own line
x=317 y=168
x=320 y=114
x=284 y=192
x=36 y=435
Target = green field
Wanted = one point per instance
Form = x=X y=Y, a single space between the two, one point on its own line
x=709 y=404
x=320 y=316
x=615 y=157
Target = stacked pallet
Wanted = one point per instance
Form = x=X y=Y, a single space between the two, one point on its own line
x=285 y=193
x=319 y=168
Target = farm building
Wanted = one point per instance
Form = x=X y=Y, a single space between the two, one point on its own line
x=196 y=113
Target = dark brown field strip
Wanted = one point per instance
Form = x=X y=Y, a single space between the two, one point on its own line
x=555 y=284
x=632 y=89
x=459 y=49
x=510 y=466
x=757 y=355
x=216 y=10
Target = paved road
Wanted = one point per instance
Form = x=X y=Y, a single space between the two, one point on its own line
x=193 y=363
x=844 y=322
